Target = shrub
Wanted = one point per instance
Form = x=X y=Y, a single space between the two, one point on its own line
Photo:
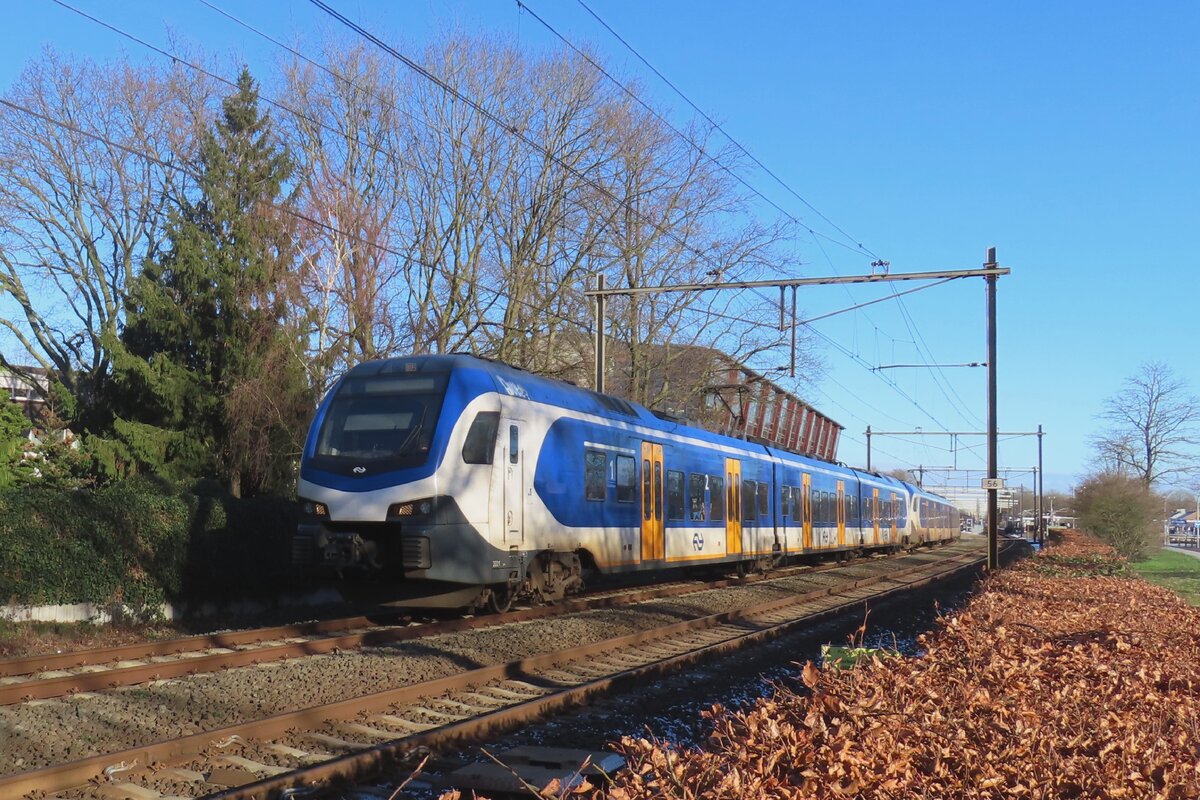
x=139 y=541
x=1119 y=511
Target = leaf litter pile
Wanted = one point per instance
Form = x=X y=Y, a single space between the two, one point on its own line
x=1064 y=677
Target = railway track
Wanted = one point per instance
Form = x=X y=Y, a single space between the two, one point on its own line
x=356 y=738
x=59 y=674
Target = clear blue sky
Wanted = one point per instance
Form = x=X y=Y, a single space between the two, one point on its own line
x=1065 y=134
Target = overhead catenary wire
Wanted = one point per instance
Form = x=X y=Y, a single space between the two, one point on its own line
x=895 y=295
x=618 y=204
x=282 y=209
x=524 y=7
x=960 y=407
x=725 y=133
x=176 y=58
x=407 y=256
x=509 y=129
x=371 y=37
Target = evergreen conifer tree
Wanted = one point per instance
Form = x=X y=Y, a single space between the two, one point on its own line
x=211 y=378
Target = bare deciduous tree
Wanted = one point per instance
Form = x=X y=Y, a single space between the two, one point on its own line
x=681 y=220
x=345 y=135
x=1153 y=427
x=80 y=214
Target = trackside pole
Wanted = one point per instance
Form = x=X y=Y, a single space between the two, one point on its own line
x=993 y=506
x=599 y=341
x=1041 y=529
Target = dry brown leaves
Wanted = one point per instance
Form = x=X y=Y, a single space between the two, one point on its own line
x=1048 y=685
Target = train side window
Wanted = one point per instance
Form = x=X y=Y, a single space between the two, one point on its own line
x=764 y=499
x=480 y=445
x=674 y=494
x=749 y=492
x=626 y=479
x=696 y=485
x=816 y=506
x=513 y=444
x=716 y=498
x=798 y=503
x=785 y=495
x=594 y=485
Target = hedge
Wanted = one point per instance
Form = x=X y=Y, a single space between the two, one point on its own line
x=141 y=542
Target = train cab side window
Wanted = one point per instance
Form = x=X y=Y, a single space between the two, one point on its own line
x=674 y=494
x=626 y=479
x=696 y=497
x=594 y=485
x=480 y=446
x=749 y=504
x=764 y=499
x=716 y=497
x=513 y=444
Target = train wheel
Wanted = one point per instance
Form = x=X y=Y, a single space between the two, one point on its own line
x=500 y=599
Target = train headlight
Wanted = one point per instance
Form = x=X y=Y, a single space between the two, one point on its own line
x=412 y=508
x=314 y=509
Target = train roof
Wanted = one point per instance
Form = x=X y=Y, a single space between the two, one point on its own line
x=492 y=375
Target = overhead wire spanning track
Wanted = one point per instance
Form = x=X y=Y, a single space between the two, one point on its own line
x=371 y=37
x=600 y=293
x=867 y=251
x=939 y=377
x=512 y=130
x=508 y=127
x=857 y=247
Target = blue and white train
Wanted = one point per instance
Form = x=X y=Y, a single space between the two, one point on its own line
x=467 y=482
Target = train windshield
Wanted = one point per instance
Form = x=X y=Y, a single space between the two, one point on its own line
x=381 y=418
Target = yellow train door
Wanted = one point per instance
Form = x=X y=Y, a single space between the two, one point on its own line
x=895 y=515
x=652 y=502
x=733 y=506
x=806 y=494
x=841 y=513
x=875 y=513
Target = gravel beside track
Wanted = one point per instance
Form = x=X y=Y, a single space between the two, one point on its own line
x=48 y=732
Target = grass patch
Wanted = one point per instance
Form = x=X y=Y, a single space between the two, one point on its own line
x=1178 y=572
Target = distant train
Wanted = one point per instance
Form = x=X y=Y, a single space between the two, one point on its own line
x=466 y=482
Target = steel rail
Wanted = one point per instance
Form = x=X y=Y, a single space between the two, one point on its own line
x=58 y=686
x=61 y=777
x=26 y=665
